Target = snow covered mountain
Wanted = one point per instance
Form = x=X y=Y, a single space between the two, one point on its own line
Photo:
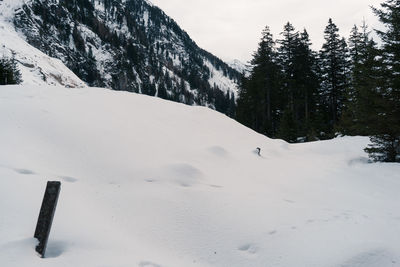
x=240 y=67
x=128 y=45
x=152 y=183
x=35 y=66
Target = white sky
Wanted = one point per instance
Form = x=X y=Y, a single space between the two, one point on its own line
x=231 y=29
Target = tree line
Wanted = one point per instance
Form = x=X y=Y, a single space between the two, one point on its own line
x=348 y=87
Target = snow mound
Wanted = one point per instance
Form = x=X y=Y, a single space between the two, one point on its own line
x=36 y=67
x=147 y=182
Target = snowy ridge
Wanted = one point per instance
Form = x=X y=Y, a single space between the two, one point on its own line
x=148 y=182
x=240 y=67
x=35 y=66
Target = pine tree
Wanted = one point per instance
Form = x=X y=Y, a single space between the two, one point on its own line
x=300 y=84
x=287 y=50
x=357 y=43
x=386 y=142
x=9 y=72
x=287 y=57
x=78 y=40
x=362 y=98
x=288 y=127
x=258 y=102
x=231 y=112
x=16 y=72
x=307 y=84
x=334 y=69
x=92 y=74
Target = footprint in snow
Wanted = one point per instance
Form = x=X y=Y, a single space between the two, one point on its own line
x=24 y=171
x=218 y=151
x=372 y=258
x=289 y=201
x=148 y=264
x=357 y=161
x=248 y=248
x=216 y=186
x=69 y=179
x=184 y=174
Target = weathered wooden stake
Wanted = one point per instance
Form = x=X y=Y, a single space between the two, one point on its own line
x=46 y=215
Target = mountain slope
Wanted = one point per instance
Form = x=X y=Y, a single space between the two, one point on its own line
x=148 y=182
x=35 y=66
x=240 y=67
x=128 y=45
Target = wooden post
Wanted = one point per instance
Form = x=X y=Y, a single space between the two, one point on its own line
x=46 y=216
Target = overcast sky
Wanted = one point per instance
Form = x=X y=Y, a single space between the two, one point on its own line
x=231 y=29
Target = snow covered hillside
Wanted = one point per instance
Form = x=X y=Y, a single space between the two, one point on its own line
x=130 y=46
x=35 y=66
x=147 y=182
x=240 y=67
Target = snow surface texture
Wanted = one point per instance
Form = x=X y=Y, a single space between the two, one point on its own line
x=36 y=67
x=150 y=183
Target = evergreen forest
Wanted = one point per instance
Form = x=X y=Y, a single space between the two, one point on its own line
x=349 y=87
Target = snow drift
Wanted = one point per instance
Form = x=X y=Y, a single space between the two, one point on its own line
x=148 y=182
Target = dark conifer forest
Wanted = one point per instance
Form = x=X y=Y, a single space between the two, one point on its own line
x=347 y=88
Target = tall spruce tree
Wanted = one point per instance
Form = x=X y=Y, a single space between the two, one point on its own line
x=362 y=98
x=307 y=84
x=300 y=85
x=386 y=142
x=287 y=51
x=287 y=54
x=258 y=102
x=334 y=70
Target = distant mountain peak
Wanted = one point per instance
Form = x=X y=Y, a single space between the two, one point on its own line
x=240 y=66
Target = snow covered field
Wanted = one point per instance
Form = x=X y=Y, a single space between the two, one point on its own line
x=150 y=183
